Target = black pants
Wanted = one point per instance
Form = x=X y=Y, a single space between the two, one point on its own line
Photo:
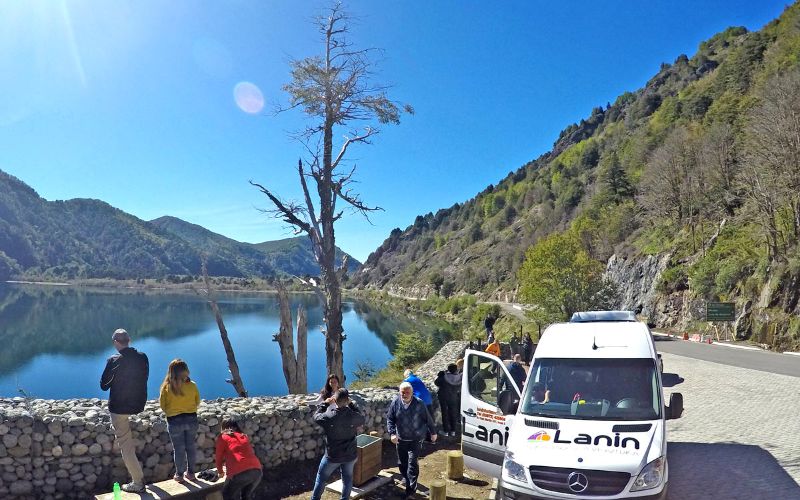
x=408 y=461
x=242 y=486
x=450 y=415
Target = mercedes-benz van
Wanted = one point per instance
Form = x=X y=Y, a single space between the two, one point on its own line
x=589 y=421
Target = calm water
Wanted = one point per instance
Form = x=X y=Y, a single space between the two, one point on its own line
x=55 y=340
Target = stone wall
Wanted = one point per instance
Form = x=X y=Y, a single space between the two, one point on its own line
x=53 y=449
x=449 y=353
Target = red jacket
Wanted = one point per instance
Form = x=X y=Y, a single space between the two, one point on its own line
x=234 y=450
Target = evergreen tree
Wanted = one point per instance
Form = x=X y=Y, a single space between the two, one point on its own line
x=615 y=179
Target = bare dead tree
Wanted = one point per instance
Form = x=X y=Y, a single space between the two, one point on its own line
x=335 y=91
x=294 y=366
x=772 y=151
x=233 y=366
x=717 y=158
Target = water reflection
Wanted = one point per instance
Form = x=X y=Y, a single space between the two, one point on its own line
x=56 y=339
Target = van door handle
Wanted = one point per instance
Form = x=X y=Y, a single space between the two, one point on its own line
x=468 y=412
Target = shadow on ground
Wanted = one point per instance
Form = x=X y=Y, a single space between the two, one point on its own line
x=727 y=471
x=297 y=480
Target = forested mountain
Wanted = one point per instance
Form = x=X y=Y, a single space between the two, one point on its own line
x=296 y=253
x=83 y=238
x=699 y=172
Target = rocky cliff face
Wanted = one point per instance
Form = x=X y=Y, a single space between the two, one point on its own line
x=768 y=318
x=637 y=278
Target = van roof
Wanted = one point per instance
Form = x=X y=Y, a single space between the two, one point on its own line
x=624 y=339
x=588 y=316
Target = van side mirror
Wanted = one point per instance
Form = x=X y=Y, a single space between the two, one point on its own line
x=675 y=408
x=508 y=401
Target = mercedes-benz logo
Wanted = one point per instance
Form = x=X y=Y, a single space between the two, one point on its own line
x=577 y=482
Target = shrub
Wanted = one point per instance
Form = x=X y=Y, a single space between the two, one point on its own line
x=411 y=349
x=673 y=279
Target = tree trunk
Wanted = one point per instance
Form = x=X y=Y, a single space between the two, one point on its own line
x=294 y=366
x=233 y=367
x=334 y=358
x=302 y=349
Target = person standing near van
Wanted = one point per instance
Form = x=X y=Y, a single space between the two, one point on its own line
x=340 y=420
x=125 y=375
x=179 y=399
x=449 y=384
x=527 y=348
x=493 y=348
x=407 y=421
x=517 y=371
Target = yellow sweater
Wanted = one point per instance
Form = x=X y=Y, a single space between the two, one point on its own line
x=174 y=404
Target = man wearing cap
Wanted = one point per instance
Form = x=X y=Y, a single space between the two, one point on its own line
x=126 y=376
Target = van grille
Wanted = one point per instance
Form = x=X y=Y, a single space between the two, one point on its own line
x=542 y=424
x=600 y=482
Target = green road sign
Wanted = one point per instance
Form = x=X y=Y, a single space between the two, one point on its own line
x=720 y=311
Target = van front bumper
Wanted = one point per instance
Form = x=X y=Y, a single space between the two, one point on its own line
x=511 y=492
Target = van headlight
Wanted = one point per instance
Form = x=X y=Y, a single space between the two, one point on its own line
x=651 y=476
x=513 y=470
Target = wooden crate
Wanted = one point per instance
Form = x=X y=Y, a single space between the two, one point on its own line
x=369 y=460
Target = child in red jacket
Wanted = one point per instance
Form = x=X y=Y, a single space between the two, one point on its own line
x=242 y=467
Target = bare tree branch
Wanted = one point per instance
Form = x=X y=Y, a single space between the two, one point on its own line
x=350 y=140
x=288 y=212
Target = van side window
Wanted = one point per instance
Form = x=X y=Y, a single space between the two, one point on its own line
x=483 y=374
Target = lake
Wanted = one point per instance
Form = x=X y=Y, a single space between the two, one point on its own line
x=55 y=339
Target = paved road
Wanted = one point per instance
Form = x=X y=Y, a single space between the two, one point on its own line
x=511 y=308
x=784 y=364
x=739 y=437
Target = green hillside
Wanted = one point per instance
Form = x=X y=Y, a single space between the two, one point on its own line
x=702 y=165
x=83 y=238
x=295 y=253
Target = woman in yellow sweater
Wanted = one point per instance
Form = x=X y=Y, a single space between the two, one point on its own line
x=179 y=399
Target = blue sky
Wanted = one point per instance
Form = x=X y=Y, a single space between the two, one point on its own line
x=132 y=102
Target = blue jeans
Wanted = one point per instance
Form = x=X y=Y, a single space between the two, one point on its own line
x=183 y=433
x=326 y=468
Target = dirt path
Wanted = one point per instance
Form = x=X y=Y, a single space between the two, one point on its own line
x=296 y=483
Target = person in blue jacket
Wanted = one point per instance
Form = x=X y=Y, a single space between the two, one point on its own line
x=420 y=391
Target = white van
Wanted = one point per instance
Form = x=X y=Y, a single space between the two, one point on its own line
x=589 y=421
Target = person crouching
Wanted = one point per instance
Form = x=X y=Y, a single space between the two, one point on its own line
x=242 y=467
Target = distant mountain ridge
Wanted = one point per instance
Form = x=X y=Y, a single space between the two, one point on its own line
x=87 y=238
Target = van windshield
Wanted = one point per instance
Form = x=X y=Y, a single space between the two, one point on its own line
x=593 y=389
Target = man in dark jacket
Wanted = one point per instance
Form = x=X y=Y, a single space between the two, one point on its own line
x=126 y=376
x=527 y=347
x=488 y=324
x=517 y=371
x=408 y=420
x=449 y=384
x=340 y=421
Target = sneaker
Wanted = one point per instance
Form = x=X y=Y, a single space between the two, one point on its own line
x=177 y=478
x=189 y=476
x=133 y=487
